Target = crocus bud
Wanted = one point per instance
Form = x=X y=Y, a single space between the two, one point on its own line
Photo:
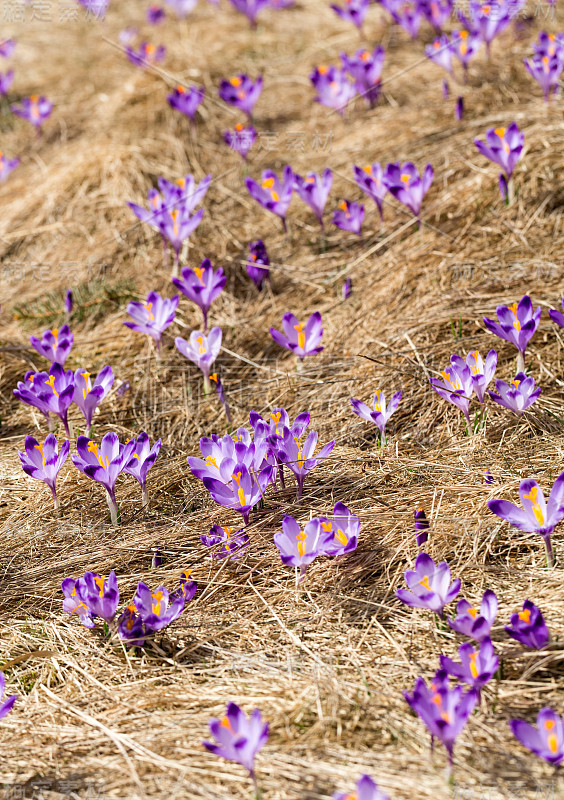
x=421 y=526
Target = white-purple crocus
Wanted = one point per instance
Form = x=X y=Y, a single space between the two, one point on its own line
x=272 y=193
x=314 y=190
x=302 y=339
x=518 y=395
x=455 y=386
x=299 y=546
x=481 y=372
x=153 y=316
x=202 y=350
x=380 y=413
x=202 y=285
x=503 y=146
x=407 y=186
x=103 y=464
x=536 y=515
x=340 y=534
x=142 y=459
x=43 y=461
x=88 y=395
x=429 y=585
x=371 y=180
x=516 y=324
x=475 y=621
x=55 y=344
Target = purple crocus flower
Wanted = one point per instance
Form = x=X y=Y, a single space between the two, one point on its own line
x=88 y=395
x=239 y=738
x=528 y=627
x=518 y=395
x=477 y=666
x=481 y=371
x=299 y=458
x=73 y=605
x=299 y=547
x=241 y=92
x=536 y=516
x=54 y=344
x=160 y=608
x=250 y=8
x=177 y=224
x=487 y=20
x=146 y=54
x=202 y=350
x=437 y=12
x=557 y=316
x=130 y=627
x=258 y=263
x=153 y=317
x=272 y=193
x=503 y=146
x=7 y=704
x=7 y=47
x=546 y=740
x=546 y=70
x=142 y=459
x=34 y=109
x=233 y=540
x=366 y=789
x=421 y=525
x=303 y=340
x=349 y=217
x=274 y=430
x=7 y=165
x=365 y=68
x=155 y=15
x=346 y=289
x=55 y=390
x=43 y=461
x=406 y=185
x=406 y=13
x=440 y=52
x=104 y=464
x=223 y=453
x=516 y=324
x=187 y=101
x=456 y=385
x=549 y=44
x=380 y=413
x=202 y=285
x=333 y=87
x=429 y=585
x=444 y=710
x=488 y=478
x=446 y=90
x=99 y=594
x=353 y=11
x=476 y=623
x=459 y=108
x=314 y=190
x=340 y=534
x=371 y=180
x=6 y=80
x=244 y=490
x=464 y=46
x=241 y=139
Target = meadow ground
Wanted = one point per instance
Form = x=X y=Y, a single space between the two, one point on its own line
x=327 y=663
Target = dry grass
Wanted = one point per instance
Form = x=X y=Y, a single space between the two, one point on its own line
x=326 y=664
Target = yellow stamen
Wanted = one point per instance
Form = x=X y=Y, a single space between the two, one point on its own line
x=368 y=169
x=86 y=376
x=473 y=612
x=181 y=90
x=181 y=182
x=425 y=582
x=276 y=419
x=301 y=335
x=405 y=179
x=158 y=606
x=236 y=81
x=226 y=724
x=51 y=382
x=40 y=448
x=174 y=214
x=199 y=272
x=537 y=511
x=241 y=494
x=323 y=70
x=93 y=448
x=341 y=537
x=55 y=333
x=148 y=307
x=211 y=462
x=100 y=584
x=473 y=667
x=239 y=127
x=200 y=341
x=326 y=526
x=301 y=539
x=553 y=742
x=525 y=615
x=377 y=405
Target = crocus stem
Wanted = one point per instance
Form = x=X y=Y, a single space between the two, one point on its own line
x=87 y=429
x=520 y=362
x=300 y=487
x=66 y=424
x=144 y=495
x=549 y=553
x=207 y=384
x=281 y=473
x=112 y=505
x=55 y=498
x=176 y=263
x=50 y=423
x=510 y=191
x=255 y=787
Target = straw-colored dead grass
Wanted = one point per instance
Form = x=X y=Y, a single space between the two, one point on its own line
x=326 y=664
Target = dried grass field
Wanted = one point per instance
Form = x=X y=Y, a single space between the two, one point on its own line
x=326 y=663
